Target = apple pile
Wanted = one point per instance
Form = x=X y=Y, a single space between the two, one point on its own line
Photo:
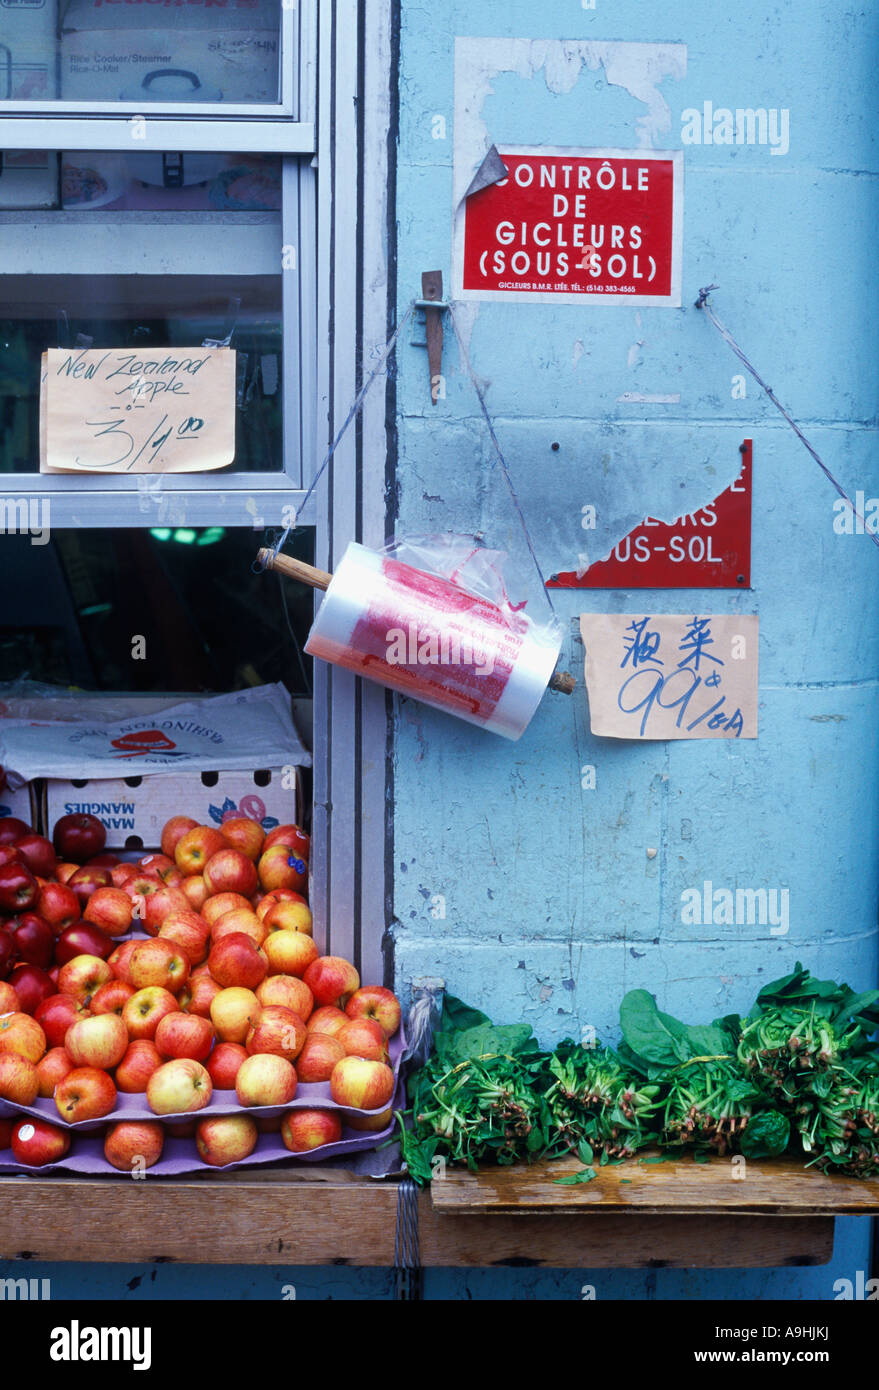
x=221 y=988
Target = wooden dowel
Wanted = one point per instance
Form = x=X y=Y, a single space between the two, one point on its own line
x=295 y=569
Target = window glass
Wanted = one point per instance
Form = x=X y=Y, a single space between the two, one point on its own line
x=148 y=252
x=177 y=52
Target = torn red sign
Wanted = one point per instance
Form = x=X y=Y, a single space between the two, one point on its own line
x=706 y=549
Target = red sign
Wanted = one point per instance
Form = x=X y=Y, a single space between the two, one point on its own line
x=706 y=549
x=566 y=224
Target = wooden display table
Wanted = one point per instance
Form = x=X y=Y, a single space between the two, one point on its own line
x=635 y=1215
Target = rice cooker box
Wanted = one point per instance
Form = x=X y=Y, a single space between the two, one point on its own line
x=170 y=51
x=28 y=50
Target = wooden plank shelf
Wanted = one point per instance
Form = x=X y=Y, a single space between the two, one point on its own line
x=767 y=1187
x=669 y=1215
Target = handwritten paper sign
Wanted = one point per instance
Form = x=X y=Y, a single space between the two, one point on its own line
x=672 y=675
x=116 y=410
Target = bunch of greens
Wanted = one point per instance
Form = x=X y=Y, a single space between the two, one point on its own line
x=800 y=1072
x=592 y=1096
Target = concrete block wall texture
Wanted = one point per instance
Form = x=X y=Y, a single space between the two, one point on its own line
x=534 y=898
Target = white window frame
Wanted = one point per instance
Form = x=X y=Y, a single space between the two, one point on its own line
x=256 y=499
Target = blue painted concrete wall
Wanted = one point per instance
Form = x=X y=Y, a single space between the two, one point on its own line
x=553 y=907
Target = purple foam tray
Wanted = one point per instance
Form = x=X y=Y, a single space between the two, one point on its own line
x=86 y=1153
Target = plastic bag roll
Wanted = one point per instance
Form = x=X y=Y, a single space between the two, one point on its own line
x=430 y=639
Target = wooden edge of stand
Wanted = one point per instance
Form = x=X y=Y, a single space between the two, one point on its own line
x=345 y=1220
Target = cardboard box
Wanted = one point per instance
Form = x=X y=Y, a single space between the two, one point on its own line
x=134 y=809
x=172 y=51
x=28 y=50
x=24 y=803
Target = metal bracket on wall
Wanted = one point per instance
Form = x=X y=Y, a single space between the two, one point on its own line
x=433 y=304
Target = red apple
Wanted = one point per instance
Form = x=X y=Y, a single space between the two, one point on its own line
x=361 y=1084
x=38 y=853
x=319 y=1055
x=195 y=848
x=188 y=931
x=184 y=1035
x=179 y=1087
x=21 y=1034
x=109 y=909
x=7 y=952
x=145 y=1010
x=57 y=1014
x=78 y=836
x=51 y=1069
x=120 y=874
x=34 y=939
x=159 y=906
x=8 y=999
x=291 y=836
x=281 y=867
x=137 y=1066
x=19 y=889
x=230 y=871
x=19 y=1080
x=277 y=895
x=233 y=1012
x=83 y=976
x=290 y=952
x=364 y=1037
x=111 y=998
x=134 y=1145
x=58 y=905
x=289 y=991
x=223 y=1139
x=277 y=1030
x=32 y=985
x=158 y=962
x=236 y=961
x=82 y=939
x=98 y=1041
x=244 y=834
x=376 y=1002
x=203 y=990
x=103 y=861
x=86 y=1093
x=36 y=1143
x=303 y=1130
x=120 y=959
x=217 y=906
x=10 y=855
x=6 y=1128
x=64 y=872
x=196 y=891
x=163 y=867
x=327 y=1019
x=332 y=980
x=223 y=1064
x=12 y=829
x=289 y=916
x=369 y=1122
x=173 y=831
x=265 y=1079
x=240 y=919
x=87 y=881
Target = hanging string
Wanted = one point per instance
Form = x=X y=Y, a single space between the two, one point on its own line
x=258 y=566
x=497 y=448
x=702 y=303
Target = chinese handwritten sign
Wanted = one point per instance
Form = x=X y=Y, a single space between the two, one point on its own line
x=671 y=675
x=116 y=410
